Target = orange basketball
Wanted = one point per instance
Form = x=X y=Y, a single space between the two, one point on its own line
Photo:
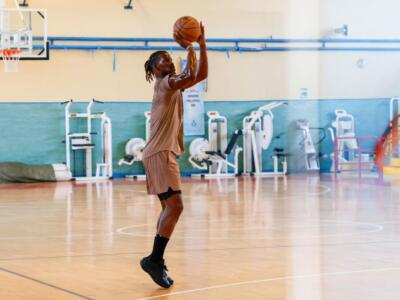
x=187 y=28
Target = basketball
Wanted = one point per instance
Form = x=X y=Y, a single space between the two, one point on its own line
x=187 y=28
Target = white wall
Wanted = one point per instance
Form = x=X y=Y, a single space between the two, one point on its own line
x=340 y=77
x=366 y=19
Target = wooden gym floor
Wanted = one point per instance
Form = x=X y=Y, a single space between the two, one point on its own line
x=304 y=238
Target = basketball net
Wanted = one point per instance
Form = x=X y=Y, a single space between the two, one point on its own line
x=11 y=59
x=10 y=56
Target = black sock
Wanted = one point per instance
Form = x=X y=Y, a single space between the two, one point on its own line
x=160 y=243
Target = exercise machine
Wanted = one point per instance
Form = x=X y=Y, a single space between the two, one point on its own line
x=306 y=156
x=257 y=136
x=343 y=133
x=212 y=155
x=134 y=149
x=84 y=141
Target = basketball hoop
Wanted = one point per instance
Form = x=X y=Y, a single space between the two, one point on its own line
x=11 y=59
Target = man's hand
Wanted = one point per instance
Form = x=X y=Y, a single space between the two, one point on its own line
x=202 y=39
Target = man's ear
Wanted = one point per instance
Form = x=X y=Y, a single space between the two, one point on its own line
x=155 y=65
x=155 y=69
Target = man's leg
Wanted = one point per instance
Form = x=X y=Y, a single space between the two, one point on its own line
x=170 y=216
x=171 y=281
x=154 y=264
x=172 y=209
x=162 y=211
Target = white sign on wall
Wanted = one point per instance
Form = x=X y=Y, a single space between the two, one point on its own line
x=193 y=107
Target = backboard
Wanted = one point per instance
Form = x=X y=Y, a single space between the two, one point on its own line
x=24 y=29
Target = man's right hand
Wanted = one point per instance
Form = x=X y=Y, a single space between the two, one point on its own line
x=202 y=39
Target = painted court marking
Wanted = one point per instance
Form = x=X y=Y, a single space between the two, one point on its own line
x=375 y=228
x=213 y=287
x=45 y=284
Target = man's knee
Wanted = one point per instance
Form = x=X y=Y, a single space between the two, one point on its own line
x=175 y=204
x=179 y=206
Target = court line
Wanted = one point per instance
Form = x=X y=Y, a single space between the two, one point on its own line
x=326 y=190
x=73 y=236
x=121 y=231
x=377 y=228
x=45 y=283
x=274 y=196
x=201 y=250
x=269 y=280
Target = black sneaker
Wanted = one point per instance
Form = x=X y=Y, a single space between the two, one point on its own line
x=156 y=271
x=165 y=274
x=171 y=281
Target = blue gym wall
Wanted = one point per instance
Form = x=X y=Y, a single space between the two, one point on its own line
x=33 y=132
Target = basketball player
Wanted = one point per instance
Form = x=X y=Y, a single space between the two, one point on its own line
x=166 y=142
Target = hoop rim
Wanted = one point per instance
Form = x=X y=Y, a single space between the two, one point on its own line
x=10 y=52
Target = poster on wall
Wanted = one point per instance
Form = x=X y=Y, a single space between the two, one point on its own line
x=193 y=107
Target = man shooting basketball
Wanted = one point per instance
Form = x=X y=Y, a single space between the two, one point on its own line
x=166 y=142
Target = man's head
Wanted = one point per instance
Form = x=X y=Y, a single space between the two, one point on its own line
x=159 y=64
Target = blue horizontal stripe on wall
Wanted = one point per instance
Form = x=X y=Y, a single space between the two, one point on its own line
x=262 y=45
x=33 y=132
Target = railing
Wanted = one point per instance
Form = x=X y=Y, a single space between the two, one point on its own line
x=388 y=145
x=224 y=45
